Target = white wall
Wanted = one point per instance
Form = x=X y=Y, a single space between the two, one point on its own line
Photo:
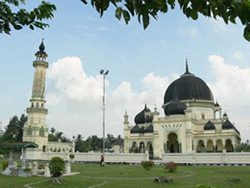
x=89 y=157
x=208 y=158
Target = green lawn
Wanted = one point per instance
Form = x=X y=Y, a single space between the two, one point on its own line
x=131 y=176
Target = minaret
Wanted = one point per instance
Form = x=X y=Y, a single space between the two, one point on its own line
x=126 y=133
x=36 y=129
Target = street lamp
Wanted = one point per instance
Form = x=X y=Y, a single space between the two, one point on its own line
x=103 y=73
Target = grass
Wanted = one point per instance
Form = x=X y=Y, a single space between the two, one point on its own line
x=134 y=176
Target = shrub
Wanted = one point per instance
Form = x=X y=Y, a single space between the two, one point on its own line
x=5 y=164
x=56 y=166
x=27 y=170
x=171 y=167
x=40 y=167
x=147 y=164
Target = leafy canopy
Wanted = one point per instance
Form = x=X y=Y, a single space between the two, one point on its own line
x=228 y=10
x=21 y=18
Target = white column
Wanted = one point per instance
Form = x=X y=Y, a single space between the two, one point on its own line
x=24 y=157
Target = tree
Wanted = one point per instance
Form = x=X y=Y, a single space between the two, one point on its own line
x=109 y=141
x=14 y=130
x=55 y=135
x=95 y=142
x=245 y=146
x=21 y=18
x=79 y=143
x=228 y=10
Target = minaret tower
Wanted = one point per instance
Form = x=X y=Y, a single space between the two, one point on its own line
x=36 y=129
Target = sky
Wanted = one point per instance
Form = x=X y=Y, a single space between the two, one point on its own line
x=141 y=63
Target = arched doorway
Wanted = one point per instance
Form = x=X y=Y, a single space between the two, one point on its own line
x=229 y=146
x=134 y=148
x=150 y=150
x=201 y=147
x=172 y=144
x=219 y=146
x=210 y=146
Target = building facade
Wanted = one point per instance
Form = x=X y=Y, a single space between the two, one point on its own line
x=192 y=122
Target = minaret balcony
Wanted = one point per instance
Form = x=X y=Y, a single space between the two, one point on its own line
x=38 y=110
x=40 y=63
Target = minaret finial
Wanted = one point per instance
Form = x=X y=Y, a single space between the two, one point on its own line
x=42 y=47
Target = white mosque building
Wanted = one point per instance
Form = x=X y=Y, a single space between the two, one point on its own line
x=192 y=123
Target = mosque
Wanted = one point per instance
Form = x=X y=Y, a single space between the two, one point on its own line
x=192 y=122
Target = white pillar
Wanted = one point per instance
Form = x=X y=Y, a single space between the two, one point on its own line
x=67 y=168
x=34 y=168
x=46 y=170
x=23 y=157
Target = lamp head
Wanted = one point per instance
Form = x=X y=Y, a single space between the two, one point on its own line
x=107 y=71
x=101 y=71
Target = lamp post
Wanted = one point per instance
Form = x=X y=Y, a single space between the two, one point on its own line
x=103 y=73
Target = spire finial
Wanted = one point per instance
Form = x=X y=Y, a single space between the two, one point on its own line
x=187 y=65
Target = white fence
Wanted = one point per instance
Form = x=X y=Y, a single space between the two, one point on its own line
x=191 y=158
x=89 y=157
x=208 y=158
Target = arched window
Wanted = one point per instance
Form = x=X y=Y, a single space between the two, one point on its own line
x=41 y=132
x=29 y=132
x=37 y=105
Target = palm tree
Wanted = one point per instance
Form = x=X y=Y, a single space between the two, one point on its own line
x=14 y=130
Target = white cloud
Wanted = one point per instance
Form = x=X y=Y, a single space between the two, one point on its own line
x=75 y=99
x=238 y=56
x=232 y=90
x=69 y=77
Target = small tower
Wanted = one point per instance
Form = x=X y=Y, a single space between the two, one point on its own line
x=126 y=133
x=36 y=129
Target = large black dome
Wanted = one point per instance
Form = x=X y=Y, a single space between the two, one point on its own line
x=188 y=87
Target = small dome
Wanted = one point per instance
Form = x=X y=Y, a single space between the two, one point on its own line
x=175 y=107
x=188 y=87
x=149 y=129
x=209 y=126
x=41 y=53
x=41 y=47
x=227 y=125
x=141 y=119
x=225 y=114
x=135 y=129
x=216 y=104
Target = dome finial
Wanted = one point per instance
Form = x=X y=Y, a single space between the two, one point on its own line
x=187 y=65
x=187 y=70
